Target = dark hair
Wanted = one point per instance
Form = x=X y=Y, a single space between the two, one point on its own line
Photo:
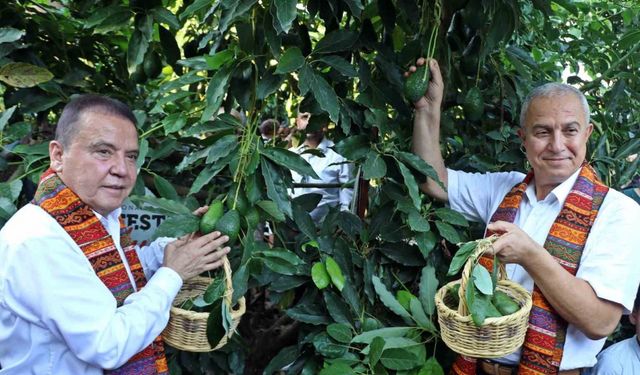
x=636 y=305
x=269 y=126
x=72 y=112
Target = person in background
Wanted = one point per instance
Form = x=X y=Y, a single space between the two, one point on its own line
x=331 y=167
x=623 y=357
x=76 y=296
x=562 y=234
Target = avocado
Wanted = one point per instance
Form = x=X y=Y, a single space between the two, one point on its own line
x=453 y=296
x=504 y=303
x=417 y=84
x=152 y=64
x=241 y=202
x=252 y=217
x=473 y=104
x=210 y=218
x=229 y=224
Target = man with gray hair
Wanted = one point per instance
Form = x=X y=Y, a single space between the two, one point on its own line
x=76 y=295
x=562 y=234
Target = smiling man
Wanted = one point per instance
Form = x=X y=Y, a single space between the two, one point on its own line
x=564 y=236
x=76 y=297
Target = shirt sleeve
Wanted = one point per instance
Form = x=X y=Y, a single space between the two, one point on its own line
x=477 y=195
x=346 y=194
x=151 y=256
x=50 y=283
x=610 y=258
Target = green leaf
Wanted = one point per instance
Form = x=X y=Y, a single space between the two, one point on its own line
x=219 y=58
x=374 y=166
x=289 y=160
x=304 y=222
x=291 y=60
x=463 y=253
x=388 y=299
x=399 y=359
x=319 y=275
x=341 y=65
x=355 y=6
x=340 y=332
x=451 y=216
x=482 y=279
x=354 y=147
x=164 y=188
x=205 y=175
x=420 y=165
x=216 y=90
x=19 y=74
x=169 y=47
x=411 y=184
x=426 y=242
x=271 y=209
x=215 y=327
x=279 y=265
x=173 y=123
x=9 y=34
x=6 y=116
x=177 y=225
x=139 y=43
x=328 y=348
x=431 y=367
x=162 y=205
x=222 y=148
x=322 y=91
x=336 y=41
x=286 y=255
x=285 y=13
x=215 y=290
x=308 y=314
x=367 y=337
x=417 y=223
x=428 y=288
x=164 y=15
x=11 y=190
x=448 y=232
x=420 y=317
x=276 y=187
x=284 y=357
x=375 y=350
x=335 y=273
x=336 y=368
x=337 y=308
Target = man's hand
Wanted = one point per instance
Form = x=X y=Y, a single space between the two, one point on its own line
x=190 y=256
x=514 y=245
x=432 y=99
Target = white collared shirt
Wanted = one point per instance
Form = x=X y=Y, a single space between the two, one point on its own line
x=56 y=316
x=332 y=168
x=609 y=258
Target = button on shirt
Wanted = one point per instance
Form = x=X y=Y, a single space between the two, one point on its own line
x=56 y=316
x=609 y=259
x=332 y=168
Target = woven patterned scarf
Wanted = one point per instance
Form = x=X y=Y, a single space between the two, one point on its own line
x=544 y=341
x=86 y=230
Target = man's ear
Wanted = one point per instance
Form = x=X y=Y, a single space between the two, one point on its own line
x=55 y=155
x=589 y=129
x=633 y=317
x=521 y=133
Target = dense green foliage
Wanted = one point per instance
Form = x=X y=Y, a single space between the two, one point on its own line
x=317 y=296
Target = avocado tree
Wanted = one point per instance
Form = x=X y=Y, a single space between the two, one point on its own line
x=355 y=293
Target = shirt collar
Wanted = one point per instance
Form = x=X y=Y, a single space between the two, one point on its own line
x=112 y=217
x=560 y=192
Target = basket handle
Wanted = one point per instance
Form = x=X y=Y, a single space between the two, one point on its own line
x=228 y=294
x=483 y=245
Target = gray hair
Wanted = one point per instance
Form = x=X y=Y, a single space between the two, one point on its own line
x=550 y=90
x=71 y=115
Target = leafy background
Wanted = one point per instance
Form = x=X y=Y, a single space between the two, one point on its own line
x=185 y=66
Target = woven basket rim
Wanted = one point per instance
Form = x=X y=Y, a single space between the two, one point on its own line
x=521 y=292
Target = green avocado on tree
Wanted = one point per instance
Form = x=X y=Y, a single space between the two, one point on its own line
x=417 y=83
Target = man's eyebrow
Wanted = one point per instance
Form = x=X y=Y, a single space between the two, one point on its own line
x=101 y=144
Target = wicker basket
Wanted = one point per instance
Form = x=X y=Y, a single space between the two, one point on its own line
x=496 y=337
x=187 y=330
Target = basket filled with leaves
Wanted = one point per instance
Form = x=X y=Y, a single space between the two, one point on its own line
x=483 y=314
x=202 y=318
